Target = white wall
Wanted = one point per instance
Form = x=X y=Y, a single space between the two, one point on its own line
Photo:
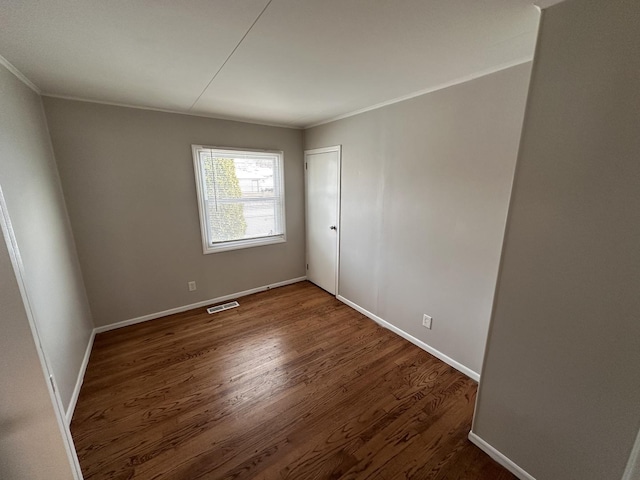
x=36 y=205
x=425 y=187
x=560 y=388
x=129 y=184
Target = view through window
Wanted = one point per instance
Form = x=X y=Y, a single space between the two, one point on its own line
x=241 y=197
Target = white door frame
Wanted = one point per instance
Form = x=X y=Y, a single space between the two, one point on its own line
x=314 y=151
x=18 y=268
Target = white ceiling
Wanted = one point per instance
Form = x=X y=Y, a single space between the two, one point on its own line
x=286 y=62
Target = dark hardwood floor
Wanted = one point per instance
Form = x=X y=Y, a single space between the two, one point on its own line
x=292 y=384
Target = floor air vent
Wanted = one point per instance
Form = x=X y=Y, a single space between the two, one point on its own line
x=224 y=306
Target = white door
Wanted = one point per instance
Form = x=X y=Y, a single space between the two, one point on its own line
x=322 y=181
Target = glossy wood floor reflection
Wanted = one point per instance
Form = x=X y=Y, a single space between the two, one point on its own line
x=291 y=385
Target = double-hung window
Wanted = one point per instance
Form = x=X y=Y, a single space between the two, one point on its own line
x=240 y=197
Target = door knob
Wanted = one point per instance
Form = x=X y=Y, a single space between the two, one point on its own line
x=333 y=227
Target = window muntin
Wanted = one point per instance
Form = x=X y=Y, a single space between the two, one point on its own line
x=240 y=197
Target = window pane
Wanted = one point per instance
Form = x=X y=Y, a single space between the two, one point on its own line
x=225 y=219
x=256 y=176
x=261 y=218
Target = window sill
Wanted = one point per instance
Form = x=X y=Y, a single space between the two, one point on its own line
x=240 y=244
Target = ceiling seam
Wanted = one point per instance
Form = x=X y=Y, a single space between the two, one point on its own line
x=230 y=55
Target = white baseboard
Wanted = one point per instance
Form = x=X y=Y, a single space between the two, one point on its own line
x=436 y=353
x=499 y=457
x=83 y=369
x=171 y=311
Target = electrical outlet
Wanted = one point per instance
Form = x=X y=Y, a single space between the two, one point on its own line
x=192 y=286
x=426 y=321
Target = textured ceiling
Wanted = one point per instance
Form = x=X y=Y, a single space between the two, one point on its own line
x=286 y=62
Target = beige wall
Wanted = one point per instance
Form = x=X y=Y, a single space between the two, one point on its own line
x=560 y=389
x=425 y=187
x=35 y=203
x=129 y=184
x=31 y=444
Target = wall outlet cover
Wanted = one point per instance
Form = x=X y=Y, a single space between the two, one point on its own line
x=426 y=321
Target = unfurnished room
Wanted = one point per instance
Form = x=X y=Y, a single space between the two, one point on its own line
x=320 y=239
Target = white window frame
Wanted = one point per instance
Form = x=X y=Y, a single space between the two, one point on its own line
x=207 y=245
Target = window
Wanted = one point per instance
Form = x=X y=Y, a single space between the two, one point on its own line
x=240 y=197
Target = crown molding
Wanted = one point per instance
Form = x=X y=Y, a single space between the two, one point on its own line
x=542 y=4
x=176 y=112
x=457 y=81
x=19 y=75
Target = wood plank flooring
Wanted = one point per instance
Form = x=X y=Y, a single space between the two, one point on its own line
x=292 y=384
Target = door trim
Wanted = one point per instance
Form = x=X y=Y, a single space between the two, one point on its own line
x=315 y=151
x=18 y=268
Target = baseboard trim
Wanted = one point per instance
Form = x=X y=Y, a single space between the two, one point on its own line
x=499 y=457
x=171 y=311
x=419 y=343
x=83 y=368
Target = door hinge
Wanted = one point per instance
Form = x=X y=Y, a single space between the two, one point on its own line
x=53 y=384
x=307 y=266
x=306 y=165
